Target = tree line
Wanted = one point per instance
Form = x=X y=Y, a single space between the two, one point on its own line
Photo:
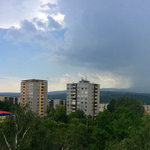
x=124 y=125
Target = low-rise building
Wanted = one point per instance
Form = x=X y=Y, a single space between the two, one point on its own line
x=11 y=99
x=54 y=102
x=102 y=107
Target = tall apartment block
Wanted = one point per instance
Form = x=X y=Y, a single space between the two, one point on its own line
x=34 y=93
x=84 y=96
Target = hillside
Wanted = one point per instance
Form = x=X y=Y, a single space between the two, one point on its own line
x=107 y=96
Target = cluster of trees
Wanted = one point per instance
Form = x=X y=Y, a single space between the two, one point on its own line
x=5 y=105
x=123 y=127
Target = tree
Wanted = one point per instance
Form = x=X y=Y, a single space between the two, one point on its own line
x=111 y=105
x=133 y=104
x=57 y=114
x=5 y=105
x=24 y=130
x=78 y=114
x=138 y=139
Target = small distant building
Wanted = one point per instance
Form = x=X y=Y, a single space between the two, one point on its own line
x=102 y=107
x=11 y=99
x=147 y=108
x=54 y=102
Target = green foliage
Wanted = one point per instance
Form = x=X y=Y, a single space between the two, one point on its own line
x=5 y=105
x=122 y=128
x=138 y=139
x=24 y=130
x=111 y=105
x=58 y=114
x=79 y=114
x=133 y=104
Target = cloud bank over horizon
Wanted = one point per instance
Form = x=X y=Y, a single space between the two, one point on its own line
x=108 y=41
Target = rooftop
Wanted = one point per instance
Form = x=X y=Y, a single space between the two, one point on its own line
x=34 y=80
x=84 y=81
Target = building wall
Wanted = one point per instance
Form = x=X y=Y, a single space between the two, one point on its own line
x=147 y=109
x=84 y=96
x=34 y=93
x=12 y=100
x=102 y=107
x=54 y=102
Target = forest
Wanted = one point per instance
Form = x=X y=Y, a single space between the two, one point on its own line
x=123 y=126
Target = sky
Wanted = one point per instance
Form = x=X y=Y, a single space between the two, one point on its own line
x=107 y=42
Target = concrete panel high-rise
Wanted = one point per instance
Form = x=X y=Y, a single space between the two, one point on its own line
x=84 y=96
x=34 y=93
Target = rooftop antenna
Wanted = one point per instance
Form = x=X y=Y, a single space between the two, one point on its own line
x=86 y=78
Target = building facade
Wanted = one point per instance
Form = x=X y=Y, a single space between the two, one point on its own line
x=102 y=107
x=54 y=102
x=34 y=93
x=84 y=96
x=11 y=99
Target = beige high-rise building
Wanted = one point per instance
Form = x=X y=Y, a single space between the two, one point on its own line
x=84 y=96
x=34 y=93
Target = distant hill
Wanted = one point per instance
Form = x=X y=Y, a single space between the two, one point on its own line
x=106 y=95
x=57 y=92
x=10 y=94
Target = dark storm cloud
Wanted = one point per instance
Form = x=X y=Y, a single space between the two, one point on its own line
x=110 y=36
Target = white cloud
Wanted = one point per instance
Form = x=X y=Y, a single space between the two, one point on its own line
x=12 y=12
x=67 y=78
x=10 y=84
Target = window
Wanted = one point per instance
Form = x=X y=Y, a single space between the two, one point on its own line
x=82 y=88
x=81 y=106
x=85 y=109
x=78 y=84
x=82 y=91
x=78 y=91
x=85 y=102
x=78 y=102
x=82 y=99
x=78 y=98
x=85 y=95
x=78 y=95
x=85 y=106
x=85 y=91
x=67 y=91
x=81 y=102
x=82 y=95
x=82 y=85
x=78 y=106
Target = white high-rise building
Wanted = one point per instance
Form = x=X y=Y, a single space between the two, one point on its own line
x=84 y=96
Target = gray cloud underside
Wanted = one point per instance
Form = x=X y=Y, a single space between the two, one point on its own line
x=103 y=35
x=110 y=36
